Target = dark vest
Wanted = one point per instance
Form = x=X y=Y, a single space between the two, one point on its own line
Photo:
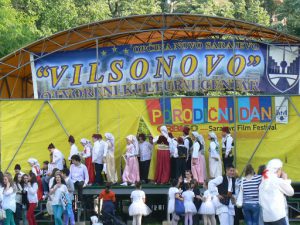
x=223 y=189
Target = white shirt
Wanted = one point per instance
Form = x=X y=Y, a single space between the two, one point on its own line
x=186 y=143
x=272 y=200
x=145 y=149
x=228 y=139
x=213 y=150
x=32 y=192
x=58 y=159
x=138 y=196
x=109 y=150
x=188 y=196
x=173 y=147
x=57 y=194
x=9 y=199
x=87 y=152
x=196 y=149
x=79 y=173
x=73 y=151
x=98 y=150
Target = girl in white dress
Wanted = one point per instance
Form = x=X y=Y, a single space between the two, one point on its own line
x=171 y=203
x=138 y=208
x=207 y=209
x=215 y=163
x=189 y=206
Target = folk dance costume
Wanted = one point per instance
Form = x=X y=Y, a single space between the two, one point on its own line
x=57 y=159
x=109 y=155
x=227 y=147
x=224 y=208
x=131 y=172
x=215 y=163
x=163 y=164
x=272 y=192
x=99 y=148
x=87 y=155
x=35 y=168
x=74 y=149
x=145 y=153
x=138 y=208
x=188 y=143
x=175 y=173
x=198 y=159
x=182 y=157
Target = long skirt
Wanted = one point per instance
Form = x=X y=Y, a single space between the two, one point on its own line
x=199 y=168
x=91 y=170
x=215 y=167
x=131 y=172
x=111 y=173
x=163 y=166
x=40 y=188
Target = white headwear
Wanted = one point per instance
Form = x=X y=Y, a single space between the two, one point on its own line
x=86 y=142
x=110 y=138
x=134 y=141
x=273 y=166
x=199 y=138
x=94 y=219
x=214 y=137
x=164 y=131
x=33 y=161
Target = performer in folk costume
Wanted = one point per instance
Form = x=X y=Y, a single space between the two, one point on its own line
x=163 y=165
x=145 y=153
x=109 y=155
x=131 y=172
x=188 y=143
x=138 y=208
x=174 y=156
x=99 y=148
x=198 y=158
x=87 y=155
x=35 y=168
x=182 y=156
x=223 y=187
x=215 y=163
x=274 y=188
x=74 y=149
x=227 y=147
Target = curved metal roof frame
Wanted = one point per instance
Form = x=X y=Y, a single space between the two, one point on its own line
x=134 y=30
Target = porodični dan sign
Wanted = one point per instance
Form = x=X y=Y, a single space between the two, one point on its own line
x=190 y=65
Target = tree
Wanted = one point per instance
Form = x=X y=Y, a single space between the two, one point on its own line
x=16 y=28
x=290 y=9
x=240 y=11
x=256 y=13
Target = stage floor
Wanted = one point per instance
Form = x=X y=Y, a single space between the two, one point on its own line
x=149 y=189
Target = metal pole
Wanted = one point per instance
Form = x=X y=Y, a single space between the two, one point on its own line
x=163 y=75
x=29 y=129
x=263 y=137
x=97 y=91
x=57 y=117
x=293 y=105
x=234 y=107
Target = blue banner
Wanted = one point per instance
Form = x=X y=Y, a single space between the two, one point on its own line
x=181 y=66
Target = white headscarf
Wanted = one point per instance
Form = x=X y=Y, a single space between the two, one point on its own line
x=199 y=138
x=86 y=142
x=33 y=162
x=110 y=138
x=214 y=137
x=164 y=131
x=134 y=141
x=274 y=165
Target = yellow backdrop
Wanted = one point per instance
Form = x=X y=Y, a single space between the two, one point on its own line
x=121 y=117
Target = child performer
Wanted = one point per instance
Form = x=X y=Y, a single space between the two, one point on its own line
x=207 y=209
x=189 y=206
x=109 y=156
x=198 y=158
x=138 y=208
x=131 y=172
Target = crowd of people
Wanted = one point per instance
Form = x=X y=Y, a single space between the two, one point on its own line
x=180 y=161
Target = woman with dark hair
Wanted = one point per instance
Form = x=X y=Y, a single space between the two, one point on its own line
x=261 y=169
x=250 y=187
x=138 y=208
x=109 y=200
x=57 y=190
x=57 y=157
x=19 y=187
x=145 y=154
x=31 y=187
x=74 y=149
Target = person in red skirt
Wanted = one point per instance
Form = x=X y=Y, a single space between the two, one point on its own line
x=35 y=168
x=163 y=164
x=87 y=155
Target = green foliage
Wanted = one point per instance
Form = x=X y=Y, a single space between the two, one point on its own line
x=23 y=21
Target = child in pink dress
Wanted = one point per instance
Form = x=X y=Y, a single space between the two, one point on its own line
x=198 y=158
x=131 y=172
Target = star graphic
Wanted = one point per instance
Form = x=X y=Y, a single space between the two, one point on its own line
x=103 y=53
x=126 y=51
x=114 y=49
